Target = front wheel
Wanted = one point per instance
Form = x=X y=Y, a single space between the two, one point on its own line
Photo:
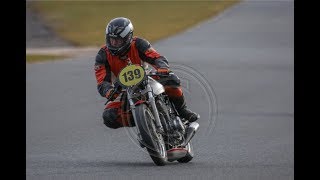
x=152 y=140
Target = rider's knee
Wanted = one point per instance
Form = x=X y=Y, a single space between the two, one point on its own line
x=174 y=80
x=110 y=118
x=173 y=91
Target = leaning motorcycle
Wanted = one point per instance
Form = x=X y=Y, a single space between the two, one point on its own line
x=159 y=129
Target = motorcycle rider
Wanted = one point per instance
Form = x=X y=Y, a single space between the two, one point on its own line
x=120 y=48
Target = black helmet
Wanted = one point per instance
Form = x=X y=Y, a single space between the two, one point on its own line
x=119 y=32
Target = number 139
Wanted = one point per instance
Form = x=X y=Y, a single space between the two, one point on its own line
x=129 y=76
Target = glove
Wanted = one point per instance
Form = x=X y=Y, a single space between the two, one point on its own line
x=109 y=92
x=163 y=70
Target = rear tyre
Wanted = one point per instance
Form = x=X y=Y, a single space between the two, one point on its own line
x=189 y=155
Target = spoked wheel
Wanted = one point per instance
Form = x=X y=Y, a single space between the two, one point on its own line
x=189 y=155
x=152 y=140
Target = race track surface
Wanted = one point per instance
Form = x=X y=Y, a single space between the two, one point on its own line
x=242 y=59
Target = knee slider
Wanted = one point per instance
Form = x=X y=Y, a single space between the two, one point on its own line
x=110 y=118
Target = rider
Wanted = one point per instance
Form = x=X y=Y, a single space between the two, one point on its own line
x=120 y=48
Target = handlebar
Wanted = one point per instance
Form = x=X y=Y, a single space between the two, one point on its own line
x=159 y=74
x=117 y=85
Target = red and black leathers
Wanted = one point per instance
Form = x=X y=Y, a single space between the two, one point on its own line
x=106 y=65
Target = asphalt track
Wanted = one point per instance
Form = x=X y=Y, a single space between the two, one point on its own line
x=246 y=57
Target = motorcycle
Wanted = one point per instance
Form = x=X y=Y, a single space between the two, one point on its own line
x=160 y=130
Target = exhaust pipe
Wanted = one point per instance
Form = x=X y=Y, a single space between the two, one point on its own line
x=189 y=133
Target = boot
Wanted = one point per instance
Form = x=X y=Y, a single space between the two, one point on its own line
x=184 y=112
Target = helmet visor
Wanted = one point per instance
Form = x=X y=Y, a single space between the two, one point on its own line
x=116 y=42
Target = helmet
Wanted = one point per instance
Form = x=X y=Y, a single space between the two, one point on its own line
x=119 y=32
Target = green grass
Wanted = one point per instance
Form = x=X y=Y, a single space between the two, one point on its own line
x=83 y=22
x=34 y=58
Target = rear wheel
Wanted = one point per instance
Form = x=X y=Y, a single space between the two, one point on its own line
x=189 y=155
x=164 y=118
x=152 y=140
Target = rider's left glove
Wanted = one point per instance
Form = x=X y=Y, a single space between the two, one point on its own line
x=163 y=70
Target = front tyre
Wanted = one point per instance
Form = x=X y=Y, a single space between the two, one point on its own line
x=152 y=140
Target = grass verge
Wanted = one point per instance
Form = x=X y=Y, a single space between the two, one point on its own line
x=83 y=22
x=34 y=58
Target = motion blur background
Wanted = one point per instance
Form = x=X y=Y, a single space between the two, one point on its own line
x=77 y=24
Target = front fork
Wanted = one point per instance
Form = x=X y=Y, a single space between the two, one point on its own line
x=151 y=101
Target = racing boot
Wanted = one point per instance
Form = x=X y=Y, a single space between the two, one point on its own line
x=184 y=112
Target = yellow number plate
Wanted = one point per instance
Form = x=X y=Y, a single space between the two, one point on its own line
x=131 y=75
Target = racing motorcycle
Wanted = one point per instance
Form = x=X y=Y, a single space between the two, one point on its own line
x=159 y=129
